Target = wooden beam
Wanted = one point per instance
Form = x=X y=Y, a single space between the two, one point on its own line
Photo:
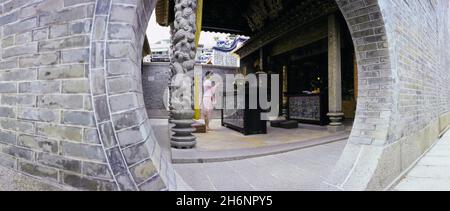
x=163 y=12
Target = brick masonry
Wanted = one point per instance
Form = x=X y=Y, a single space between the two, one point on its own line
x=72 y=110
x=403 y=104
x=156 y=76
x=63 y=113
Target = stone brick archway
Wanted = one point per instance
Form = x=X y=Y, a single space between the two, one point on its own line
x=388 y=136
x=385 y=140
x=72 y=111
x=117 y=41
x=368 y=30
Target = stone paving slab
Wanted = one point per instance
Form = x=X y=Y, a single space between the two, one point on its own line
x=222 y=178
x=437 y=172
x=224 y=144
x=197 y=156
x=248 y=170
x=423 y=184
x=303 y=169
x=432 y=172
x=196 y=177
x=14 y=181
x=435 y=161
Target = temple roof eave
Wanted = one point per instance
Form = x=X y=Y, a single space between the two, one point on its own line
x=165 y=16
x=163 y=12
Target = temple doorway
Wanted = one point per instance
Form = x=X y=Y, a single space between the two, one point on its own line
x=301 y=58
x=314 y=57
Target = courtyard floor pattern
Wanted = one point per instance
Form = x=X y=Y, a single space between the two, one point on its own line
x=432 y=172
x=303 y=169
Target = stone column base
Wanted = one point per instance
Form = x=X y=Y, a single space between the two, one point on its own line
x=182 y=137
x=336 y=122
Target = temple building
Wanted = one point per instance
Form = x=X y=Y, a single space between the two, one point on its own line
x=160 y=51
x=332 y=57
x=307 y=43
x=79 y=110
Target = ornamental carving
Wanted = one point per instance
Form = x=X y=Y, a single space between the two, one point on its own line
x=260 y=11
x=303 y=13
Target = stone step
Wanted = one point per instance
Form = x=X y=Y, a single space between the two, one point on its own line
x=290 y=124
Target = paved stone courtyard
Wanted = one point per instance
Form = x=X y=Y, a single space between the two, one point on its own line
x=222 y=138
x=432 y=172
x=12 y=181
x=293 y=171
x=223 y=144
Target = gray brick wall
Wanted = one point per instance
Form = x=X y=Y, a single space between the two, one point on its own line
x=155 y=80
x=62 y=113
x=403 y=104
x=155 y=77
x=420 y=57
x=129 y=143
x=47 y=126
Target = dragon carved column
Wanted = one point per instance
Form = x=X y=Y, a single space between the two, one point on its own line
x=182 y=61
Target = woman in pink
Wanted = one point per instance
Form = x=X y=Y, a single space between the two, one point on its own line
x=208 y=99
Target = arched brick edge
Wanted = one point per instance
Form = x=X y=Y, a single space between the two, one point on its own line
x=366 y=24
x=127 y=138
x=384 y=142
x=47 y=129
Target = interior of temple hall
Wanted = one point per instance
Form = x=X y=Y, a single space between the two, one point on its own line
x=306 y=43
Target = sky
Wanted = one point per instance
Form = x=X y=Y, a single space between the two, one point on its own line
x=156 y=33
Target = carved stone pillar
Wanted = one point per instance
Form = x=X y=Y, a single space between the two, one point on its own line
x=182 y=61
x=334 y=75
x=285 y=104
